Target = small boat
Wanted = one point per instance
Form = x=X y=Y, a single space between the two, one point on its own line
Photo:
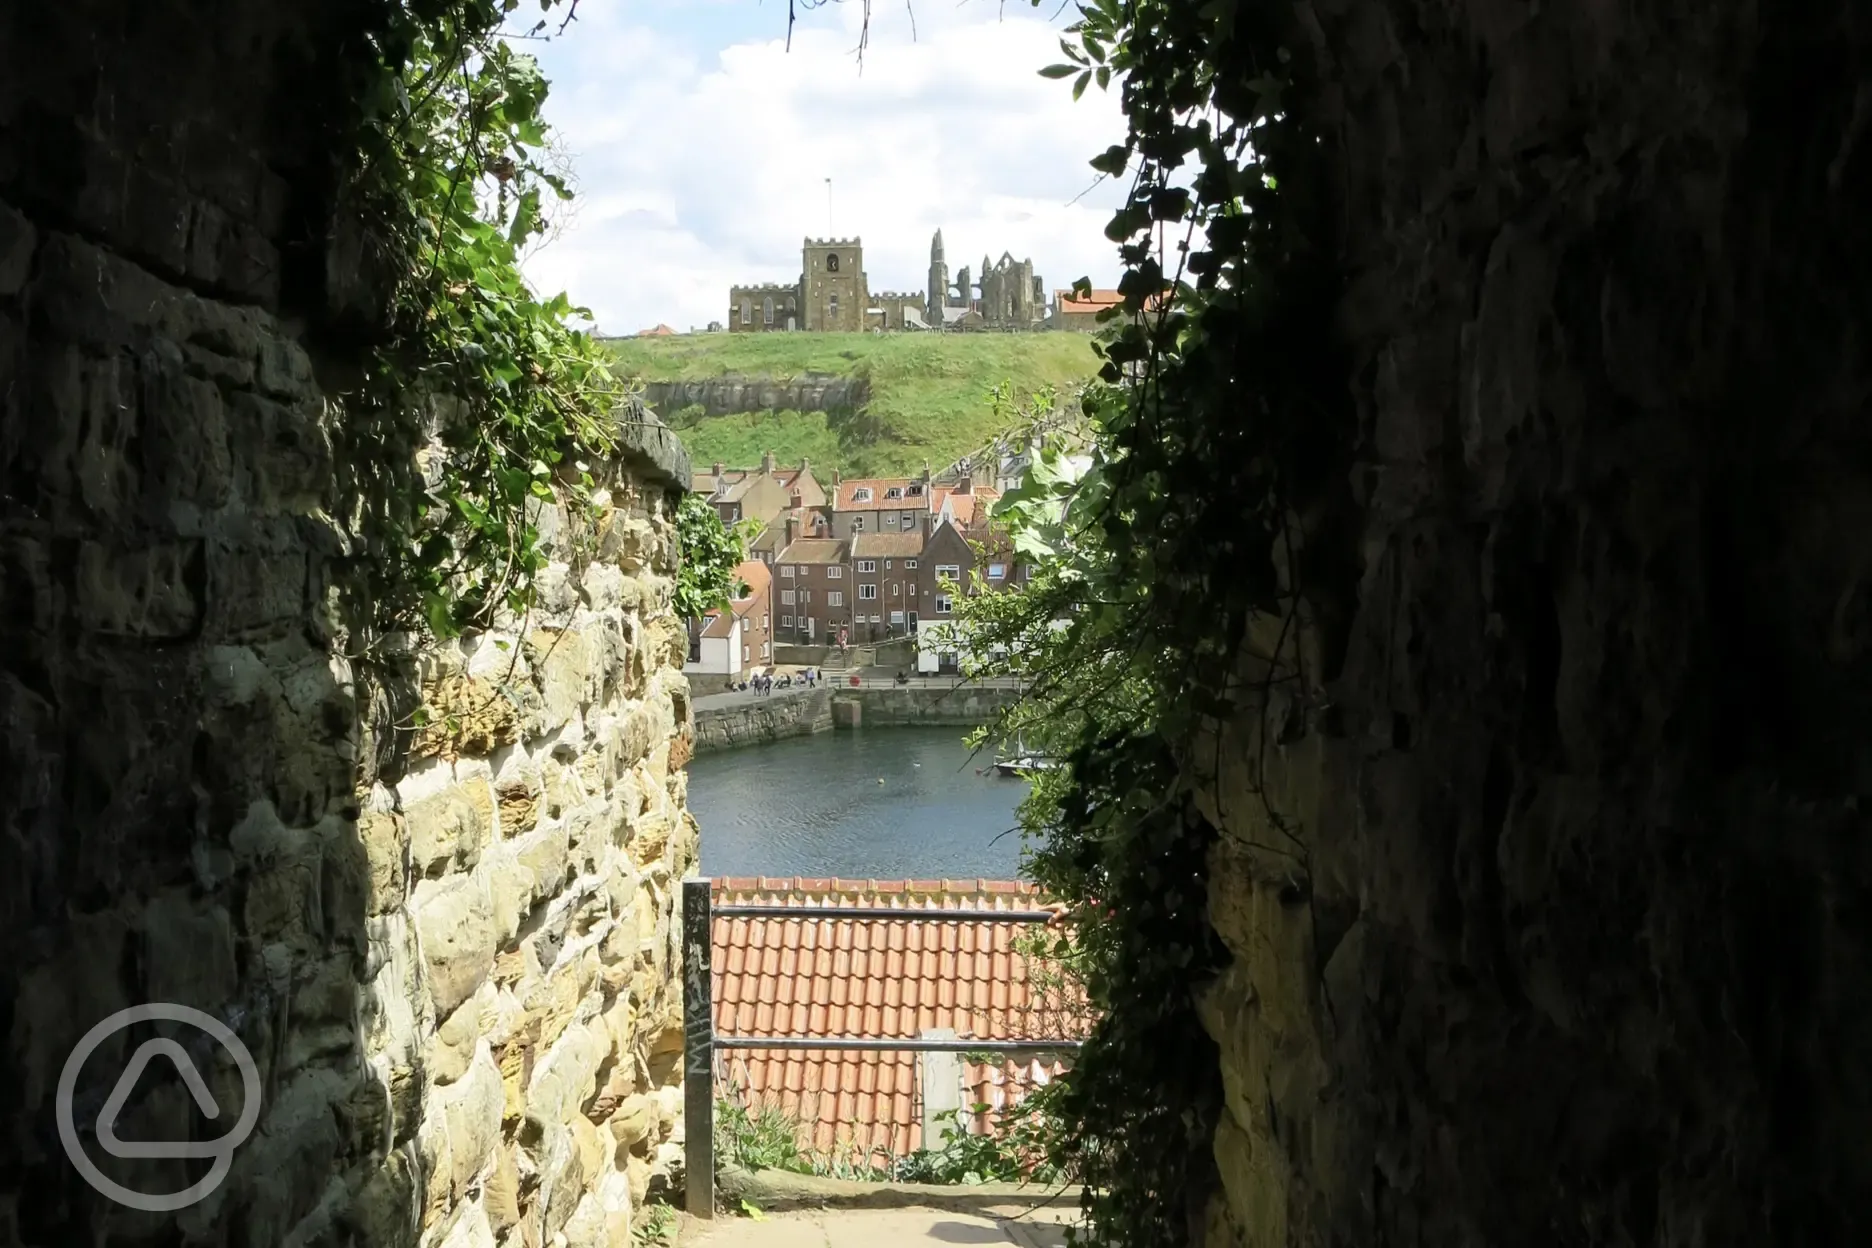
x=1024 y=761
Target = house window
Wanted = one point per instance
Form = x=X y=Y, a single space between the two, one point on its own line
x=950 y=570
x=857 y=524
x=834 y=598
x=897 y=618
x=909 y=520
x=996 y=571
x=862 y=494
x=867 y=592
x=910 y=563
x=867 y=565
x=834 y=572
x=747 y=311
x=895 y=491
x=890 y=520
x=887 y=564
x=786 y=571
x=916 y=490
x=786 y=621
x=766 y=649
x=894 y=588
x=943 y=604
x=913 y=590
x=786 y=597
x=746 y=652
x=766 y=622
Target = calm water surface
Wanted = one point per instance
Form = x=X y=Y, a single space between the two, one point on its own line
x=814 y=806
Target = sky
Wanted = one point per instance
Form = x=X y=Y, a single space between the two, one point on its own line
x=700 y=146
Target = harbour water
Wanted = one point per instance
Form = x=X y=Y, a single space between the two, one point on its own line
x=883 y=803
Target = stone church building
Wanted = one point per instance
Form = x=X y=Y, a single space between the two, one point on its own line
x=833 y=295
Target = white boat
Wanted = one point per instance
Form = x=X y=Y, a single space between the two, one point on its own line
x=1024 y=761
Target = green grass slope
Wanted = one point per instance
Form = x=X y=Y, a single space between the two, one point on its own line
x=929 y=392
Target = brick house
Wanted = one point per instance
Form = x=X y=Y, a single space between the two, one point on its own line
x=813 y=593
x=881 y=505
x=794 y=523
x=764 y=493
x=950 y=555
x=885 y=572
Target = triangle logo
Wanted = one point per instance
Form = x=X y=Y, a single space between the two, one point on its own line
x=126 y=1084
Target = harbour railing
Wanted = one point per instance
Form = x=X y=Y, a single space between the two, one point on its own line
x=701 y=1040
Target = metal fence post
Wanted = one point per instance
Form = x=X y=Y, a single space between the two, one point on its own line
x=698 y=1052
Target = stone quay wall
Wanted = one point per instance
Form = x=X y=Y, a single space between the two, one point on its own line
x=748 y=720
x=757 y=719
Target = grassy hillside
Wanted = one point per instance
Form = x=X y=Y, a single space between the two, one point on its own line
x=929 y=392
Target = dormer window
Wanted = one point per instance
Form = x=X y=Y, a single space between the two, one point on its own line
x=916 y=491
x=862 y=494
x=894 y=492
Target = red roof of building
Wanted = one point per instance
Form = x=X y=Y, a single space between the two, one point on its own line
x=847 y=497
x=876 y=978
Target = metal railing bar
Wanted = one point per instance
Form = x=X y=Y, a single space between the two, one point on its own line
x=892 y=1045
x=883 y=912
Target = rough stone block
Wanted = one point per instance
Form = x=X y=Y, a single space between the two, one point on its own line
x=17 y=240
x=469 y=717
x=385 y=843
x=455 y=921
x=449 y=831
x=565 y=1079
x=285 y=450
x=471 y=1107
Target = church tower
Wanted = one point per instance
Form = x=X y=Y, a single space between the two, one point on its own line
x=938 y=284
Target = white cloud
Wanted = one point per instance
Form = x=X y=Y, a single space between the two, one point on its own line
x=700 y=169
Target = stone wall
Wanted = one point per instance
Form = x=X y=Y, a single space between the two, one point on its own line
x=524 y=872
x=1554 y=946
x=755 y=719
x=453 y=979
x=749 y=720
x=966 y=705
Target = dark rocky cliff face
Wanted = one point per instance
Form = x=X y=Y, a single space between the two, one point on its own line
x=724 y=396
x=1577 y=953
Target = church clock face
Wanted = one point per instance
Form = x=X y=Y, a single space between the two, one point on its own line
x=831 y=262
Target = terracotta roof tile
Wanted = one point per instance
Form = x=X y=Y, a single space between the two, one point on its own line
x=887 y=545
x=875 y=978
x=876 y=488
x=813 y=550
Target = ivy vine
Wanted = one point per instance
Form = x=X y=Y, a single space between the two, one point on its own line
x=485 y=403
x=1202 y=503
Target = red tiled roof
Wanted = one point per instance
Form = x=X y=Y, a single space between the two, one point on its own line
x=875 y=978
x=1091 y=301
x=847 y=497
x=886 y=545
x=813 y=550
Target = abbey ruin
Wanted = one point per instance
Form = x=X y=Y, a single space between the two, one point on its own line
x=832 y=295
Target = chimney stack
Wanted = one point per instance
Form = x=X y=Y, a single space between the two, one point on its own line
x=766 y=463
x=804 y=465
x=792 y=528
x=836 y=475
x=718 y=467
